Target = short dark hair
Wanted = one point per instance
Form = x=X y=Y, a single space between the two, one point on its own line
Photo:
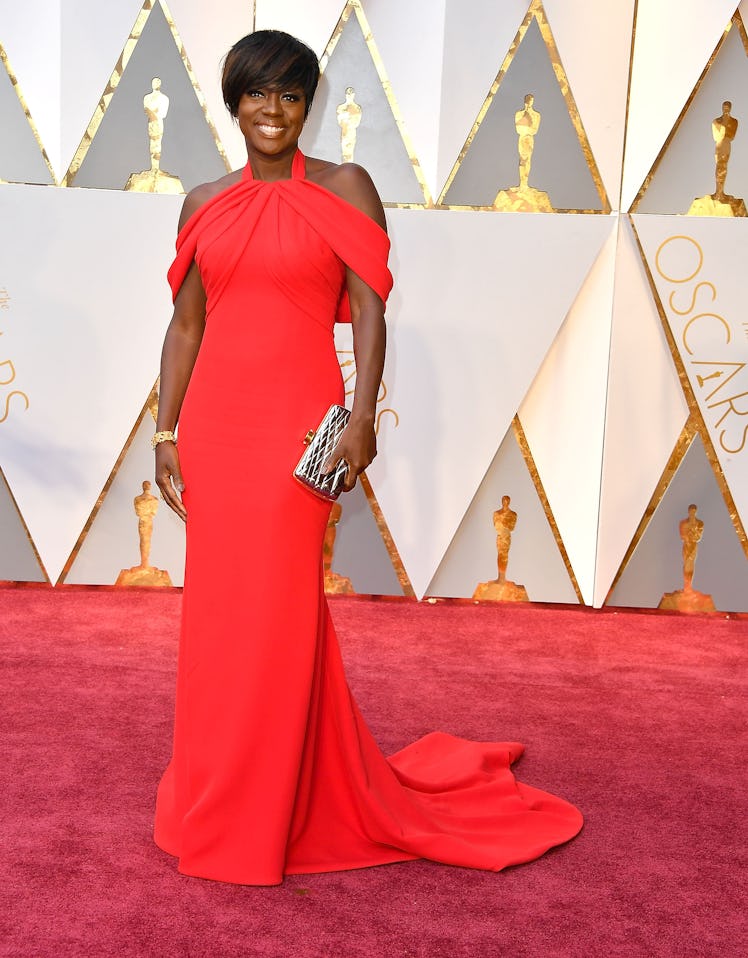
x=268 y=58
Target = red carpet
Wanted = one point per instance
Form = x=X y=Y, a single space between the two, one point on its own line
x=638 y=719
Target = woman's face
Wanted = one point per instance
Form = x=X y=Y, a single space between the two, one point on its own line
x=270 y=119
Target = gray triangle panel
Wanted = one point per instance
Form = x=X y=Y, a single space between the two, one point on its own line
x=21 y=159
x=559 y=166
x=120 y=145
x=534 y=558
x=379 y=147
x=656 y=566
x=360 y=553
x=18 y=561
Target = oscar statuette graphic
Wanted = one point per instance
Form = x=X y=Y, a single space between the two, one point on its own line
x=334 y=584
x=146 y=505
x=719 y=203
x=501 y=589
x=523 y=198
x=349 y=117
x=155 y=180
x=687 y=599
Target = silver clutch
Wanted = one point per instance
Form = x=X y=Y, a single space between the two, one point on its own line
x=320 y=442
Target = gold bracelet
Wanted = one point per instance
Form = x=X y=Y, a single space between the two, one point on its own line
x=166 y=436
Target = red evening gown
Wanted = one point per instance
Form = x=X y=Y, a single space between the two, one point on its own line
x=274 y=771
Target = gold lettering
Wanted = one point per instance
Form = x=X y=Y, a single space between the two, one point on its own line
x=742 y=442
x=721 y=369
x=702 y=316
x=16 y=392
x=731 y=407
x=697 y=287
x=7 y=382
x=671 y=239
x=383 y=412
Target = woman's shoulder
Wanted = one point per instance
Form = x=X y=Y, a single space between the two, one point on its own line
x=199 y=195
x=350 y=182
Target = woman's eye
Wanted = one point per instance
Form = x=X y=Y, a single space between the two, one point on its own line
x=291 y=97
x=254 y=93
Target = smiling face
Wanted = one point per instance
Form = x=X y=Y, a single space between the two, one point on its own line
x=271 y=119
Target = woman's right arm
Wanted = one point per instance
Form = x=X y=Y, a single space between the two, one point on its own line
x=178 y=356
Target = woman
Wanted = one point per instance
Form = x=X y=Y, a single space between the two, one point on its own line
x=274 y=771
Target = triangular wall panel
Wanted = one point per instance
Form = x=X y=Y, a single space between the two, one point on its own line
x=22 y=155
x=561 y=165
x=19 y=561
x=645 y=411
x=116 y=143
x=686 y=168
x=377 y=141
x=594 y=42
x=535 y=561
x=111 y=544
x=463 y=356
x=699 y=274
x=656 y=566
x=674 y=42
x=563 y=415
x=84 y=362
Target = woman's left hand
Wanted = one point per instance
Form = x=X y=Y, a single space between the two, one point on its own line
x=358 y=446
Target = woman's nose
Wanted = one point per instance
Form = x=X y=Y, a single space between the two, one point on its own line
x=273 y=103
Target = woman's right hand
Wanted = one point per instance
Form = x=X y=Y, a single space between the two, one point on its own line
x=169 y=477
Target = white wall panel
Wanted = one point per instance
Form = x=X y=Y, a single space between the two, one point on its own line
x=470 y=326
x=563 y=415
x=645 y=415
x=89 y=307
x=206 y=40
x=30 y=34
x=399 y=30
x=92 y=37
x=674 y=41
x=474 y=49
x=594 y=43
x=698 y=267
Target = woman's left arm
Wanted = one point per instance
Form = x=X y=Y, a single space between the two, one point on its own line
x=358 y=444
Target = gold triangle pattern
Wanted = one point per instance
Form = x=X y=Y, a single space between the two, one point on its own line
x=695 y=415
x=735 y=23
x=116 y=76
x=535 y=13
x=354 y=8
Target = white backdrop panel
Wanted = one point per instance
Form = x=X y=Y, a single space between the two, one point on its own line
x=206 y=40
x=674 y=41
x=474 y=49
x=30 y=34
x=594 y=43
x=399 y=30
x=698 y=266
x=89 y=307
x=563 y=415
x=645 y=414
x=470 y=325
x=92 y=38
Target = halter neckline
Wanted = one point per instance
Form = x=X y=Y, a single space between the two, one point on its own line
x=298 y=170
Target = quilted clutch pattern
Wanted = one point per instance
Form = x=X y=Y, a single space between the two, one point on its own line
x=320 y=443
